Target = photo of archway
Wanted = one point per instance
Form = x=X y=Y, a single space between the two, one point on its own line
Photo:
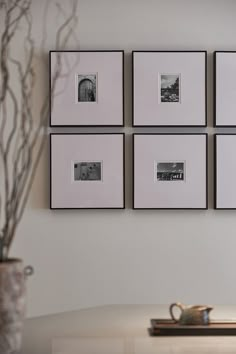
x=86 y=88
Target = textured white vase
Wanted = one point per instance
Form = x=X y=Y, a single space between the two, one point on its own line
x=12 y=305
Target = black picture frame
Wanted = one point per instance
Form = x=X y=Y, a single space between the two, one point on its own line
x=215 y=124
x=89 y=125
x=50 y=171
x=216 y=207
x=206 y=167
x=205 y=88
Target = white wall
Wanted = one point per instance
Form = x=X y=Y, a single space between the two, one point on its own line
x=91 y=258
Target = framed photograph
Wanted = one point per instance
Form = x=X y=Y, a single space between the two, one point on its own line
x=225 y=89
x=85 y=173
x=170 y=171
x=225 y=171
x=169 y=88
x=90 y=90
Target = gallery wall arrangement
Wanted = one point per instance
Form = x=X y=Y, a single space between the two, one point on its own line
x=170 y=171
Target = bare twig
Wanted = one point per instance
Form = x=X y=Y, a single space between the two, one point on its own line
x=21 y=141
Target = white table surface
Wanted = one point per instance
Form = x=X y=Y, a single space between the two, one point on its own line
x=125 y=325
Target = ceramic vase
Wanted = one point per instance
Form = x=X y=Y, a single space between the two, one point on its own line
x=12 y=305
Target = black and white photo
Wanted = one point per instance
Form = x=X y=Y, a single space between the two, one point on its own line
x=170 y=171
x=170 y=88
x=86 y=88
x=88 y=171
x=90 y=91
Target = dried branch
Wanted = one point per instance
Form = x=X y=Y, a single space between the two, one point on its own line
x=21 y=141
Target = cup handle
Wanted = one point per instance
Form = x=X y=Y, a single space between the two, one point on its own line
x=176 y=304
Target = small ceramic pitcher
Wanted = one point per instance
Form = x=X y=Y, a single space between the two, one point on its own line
x=191 y=315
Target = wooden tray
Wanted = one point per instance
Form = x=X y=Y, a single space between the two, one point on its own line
x=164 y=327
